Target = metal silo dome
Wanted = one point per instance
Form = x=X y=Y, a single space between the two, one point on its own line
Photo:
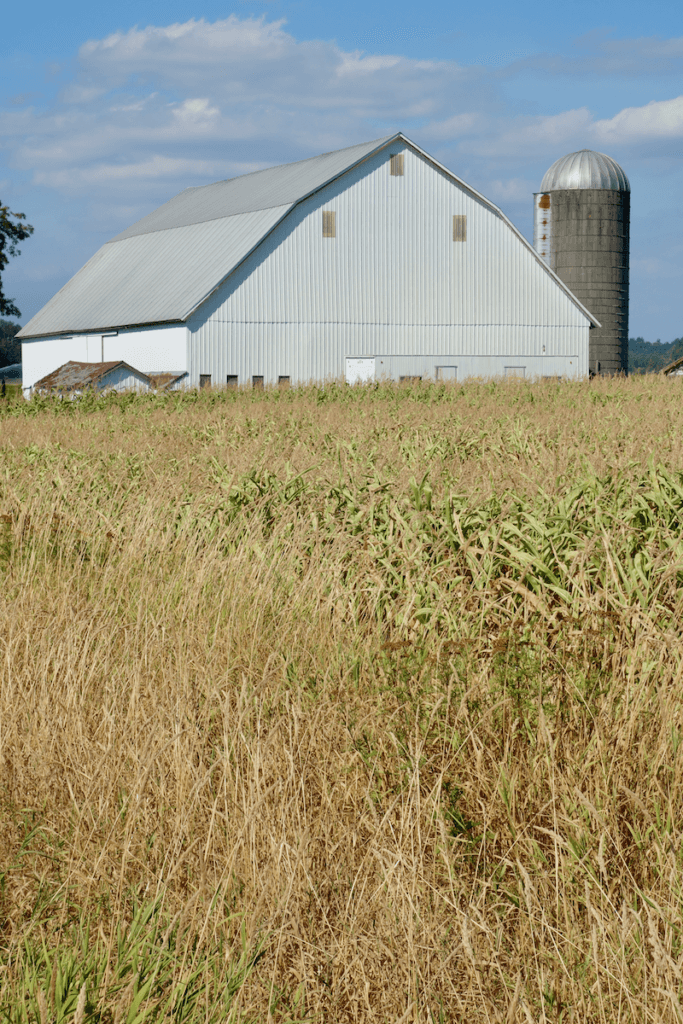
x=585 y=169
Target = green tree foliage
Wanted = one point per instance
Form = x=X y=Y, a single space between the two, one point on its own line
x=10 y=347
x=13 y=230
x=652 y=356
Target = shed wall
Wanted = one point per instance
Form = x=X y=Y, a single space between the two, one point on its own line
x=392 y=280
x=121 y=379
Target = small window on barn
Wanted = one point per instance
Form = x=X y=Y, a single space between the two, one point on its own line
x=232 y=380
x=396 y=165
x=205 y=380
x=409 y=378
x=329 y=224
x=257 y=382
x=283 y=382
x=460 y=227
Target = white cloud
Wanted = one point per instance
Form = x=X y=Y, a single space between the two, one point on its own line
x=244 y=90
x=196 y=115
x=656 y=120
x=633 y=131
x=155 y=168
x=456 y=126
x=510 y=190
x=248 y=94
x=596 y=53
x=152 y=109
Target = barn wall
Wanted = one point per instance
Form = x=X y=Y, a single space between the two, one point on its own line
x=317 y=351
x=392 y=280
x=44 y=355
x=149 y=349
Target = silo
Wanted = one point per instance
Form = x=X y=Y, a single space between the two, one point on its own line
x=581 y=229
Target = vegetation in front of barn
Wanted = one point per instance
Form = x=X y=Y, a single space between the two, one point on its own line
x=343 y=705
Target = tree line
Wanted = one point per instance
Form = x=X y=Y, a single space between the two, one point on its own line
x=10 y=346
x=13 y=229
x=652 y=356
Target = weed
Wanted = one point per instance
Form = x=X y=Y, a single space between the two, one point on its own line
x=343 y=704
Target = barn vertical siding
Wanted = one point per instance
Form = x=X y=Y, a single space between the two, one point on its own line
x=392 y=281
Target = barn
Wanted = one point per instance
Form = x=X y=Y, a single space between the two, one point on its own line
x=370 y=262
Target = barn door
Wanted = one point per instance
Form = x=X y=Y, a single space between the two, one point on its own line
x=360 y=370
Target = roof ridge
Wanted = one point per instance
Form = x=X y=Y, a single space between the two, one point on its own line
x=293 y=163
x=207 y=220
x=265 y=189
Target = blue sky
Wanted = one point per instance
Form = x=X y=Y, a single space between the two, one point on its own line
x=108 y=111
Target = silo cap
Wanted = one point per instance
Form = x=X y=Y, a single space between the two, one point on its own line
x=585 y=169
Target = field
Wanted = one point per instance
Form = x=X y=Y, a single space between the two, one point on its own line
x=343 y=705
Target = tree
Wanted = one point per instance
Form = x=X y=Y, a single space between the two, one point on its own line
x=10 y=348
x=652 y=356
x=12 y=231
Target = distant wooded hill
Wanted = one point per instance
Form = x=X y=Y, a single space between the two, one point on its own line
x=651 y=356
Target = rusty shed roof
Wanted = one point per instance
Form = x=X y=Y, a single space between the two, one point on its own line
x=676 y=365
x=162 y=381
x=74 y=376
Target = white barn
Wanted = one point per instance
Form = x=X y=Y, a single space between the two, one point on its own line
x=374 y=261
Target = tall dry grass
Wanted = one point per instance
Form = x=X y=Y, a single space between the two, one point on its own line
x=343 y=705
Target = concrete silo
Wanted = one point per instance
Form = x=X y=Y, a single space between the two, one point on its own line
x=581 y=229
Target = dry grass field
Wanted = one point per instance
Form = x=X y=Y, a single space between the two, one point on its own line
x=343 y=706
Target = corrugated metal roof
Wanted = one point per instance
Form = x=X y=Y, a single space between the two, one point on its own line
x=76 y=376
x=161 y=276
x=162 y=268
x=585 y=169
x=260 y=190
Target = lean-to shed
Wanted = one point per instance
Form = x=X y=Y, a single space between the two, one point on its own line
x=373 y=261
x=75 y=378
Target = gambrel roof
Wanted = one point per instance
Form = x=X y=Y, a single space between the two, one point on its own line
x=163 y=267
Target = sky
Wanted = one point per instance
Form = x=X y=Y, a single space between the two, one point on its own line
x=107 y=111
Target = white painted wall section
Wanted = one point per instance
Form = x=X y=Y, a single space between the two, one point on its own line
x=149 y=349
x=43 y=355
